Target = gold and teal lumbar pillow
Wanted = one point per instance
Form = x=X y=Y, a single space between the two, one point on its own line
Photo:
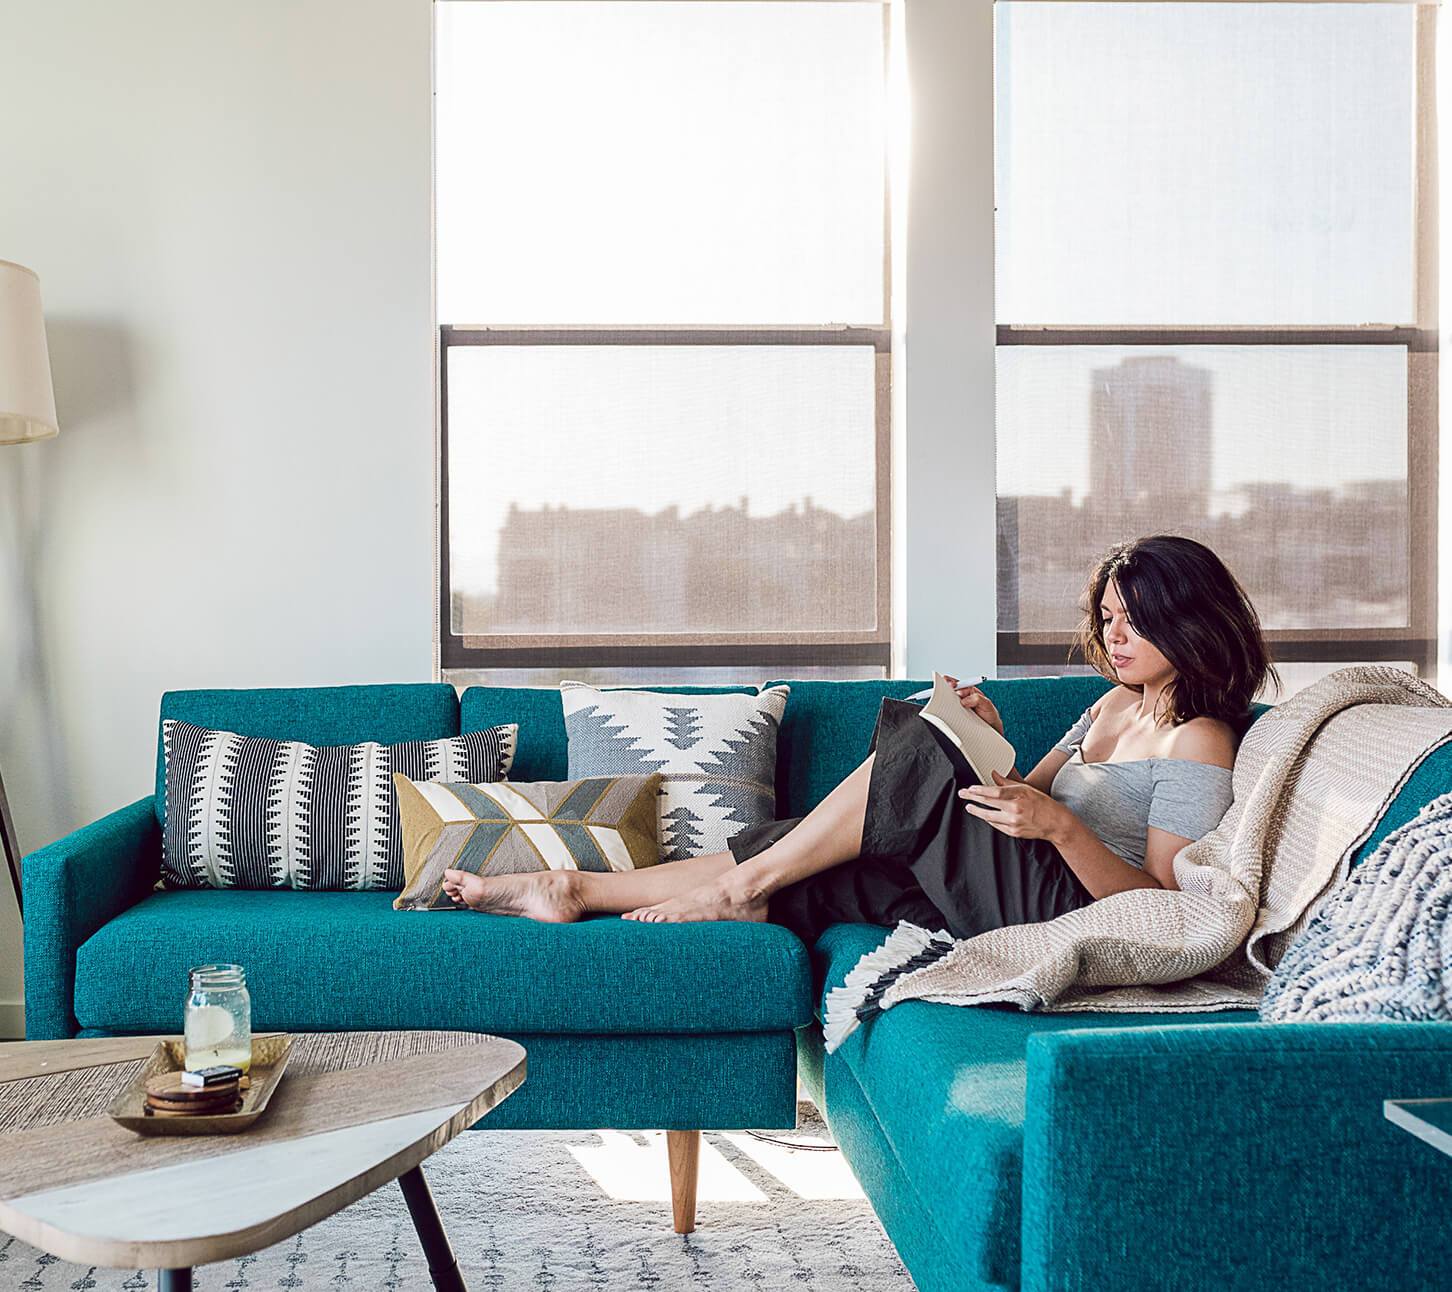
x=596 y=823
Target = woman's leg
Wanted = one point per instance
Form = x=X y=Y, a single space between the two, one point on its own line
x=560 y=896
x=828 y=835
x=712 y=887
x=989 y=880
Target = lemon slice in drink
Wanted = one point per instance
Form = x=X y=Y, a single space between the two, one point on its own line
x=207 y=1027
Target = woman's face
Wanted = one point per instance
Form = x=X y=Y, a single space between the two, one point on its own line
x=1137 y=660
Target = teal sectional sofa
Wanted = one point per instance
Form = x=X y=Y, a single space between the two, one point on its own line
x=1000 y=1149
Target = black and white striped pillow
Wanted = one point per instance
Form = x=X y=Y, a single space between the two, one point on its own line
x=244 y=812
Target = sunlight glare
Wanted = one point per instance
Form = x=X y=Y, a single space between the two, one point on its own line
x=808 y=1174
x=631 y=1172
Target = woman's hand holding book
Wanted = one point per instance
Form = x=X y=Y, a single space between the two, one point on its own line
x=972 y=699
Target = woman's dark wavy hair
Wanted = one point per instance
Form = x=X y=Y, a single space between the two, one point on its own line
x=1182 y=599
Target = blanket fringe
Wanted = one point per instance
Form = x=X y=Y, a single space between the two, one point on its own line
x=908 y=948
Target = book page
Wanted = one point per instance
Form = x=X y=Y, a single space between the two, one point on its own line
x=986 y=751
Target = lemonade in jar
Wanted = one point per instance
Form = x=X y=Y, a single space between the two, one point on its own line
x=217 y=1022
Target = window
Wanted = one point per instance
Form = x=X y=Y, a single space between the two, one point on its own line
x=662 y=266
x=1214 y=249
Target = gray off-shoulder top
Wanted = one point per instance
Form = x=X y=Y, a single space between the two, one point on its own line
x=1120 y=801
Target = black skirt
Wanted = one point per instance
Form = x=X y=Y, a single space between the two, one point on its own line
x=924 y=858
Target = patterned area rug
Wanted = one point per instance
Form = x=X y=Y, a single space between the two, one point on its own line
x=567 y=1210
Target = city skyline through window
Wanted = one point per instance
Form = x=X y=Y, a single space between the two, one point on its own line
x=665 y=358
x=1211 y=317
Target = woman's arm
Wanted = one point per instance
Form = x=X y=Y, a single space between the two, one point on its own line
x=1025 y=812
x=1103 y=872
x=1042 y=776
x=1160 y=847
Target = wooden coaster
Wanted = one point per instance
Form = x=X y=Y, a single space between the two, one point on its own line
x=165 y=1093
x=191 y=1105
x=193 y=1096
x=225 y=1108
x=168 y=1086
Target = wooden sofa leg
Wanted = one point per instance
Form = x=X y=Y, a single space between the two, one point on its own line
x=684 y=1150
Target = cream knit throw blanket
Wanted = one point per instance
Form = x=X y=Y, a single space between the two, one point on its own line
x=1311 y=779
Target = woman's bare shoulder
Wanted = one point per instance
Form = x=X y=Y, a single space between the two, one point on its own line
x=1203 y=740
x=1114 y=700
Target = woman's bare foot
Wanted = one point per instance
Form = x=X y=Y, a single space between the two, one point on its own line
x=549 y=895
x=718 y=901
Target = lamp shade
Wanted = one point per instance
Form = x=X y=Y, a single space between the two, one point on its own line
x=27 y=400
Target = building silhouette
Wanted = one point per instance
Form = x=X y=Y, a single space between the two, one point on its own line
x=1150 y=438
x=720 y=569
x=1316 y=558
x=1309 y=557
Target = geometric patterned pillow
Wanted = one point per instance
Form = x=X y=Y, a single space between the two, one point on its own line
x=601 y=823
x=245 y=812
x=716 y=755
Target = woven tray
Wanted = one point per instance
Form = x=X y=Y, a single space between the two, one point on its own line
x=269 y=1057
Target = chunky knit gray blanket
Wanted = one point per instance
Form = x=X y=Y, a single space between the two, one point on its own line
x=1311 y=779
x=1381 y=947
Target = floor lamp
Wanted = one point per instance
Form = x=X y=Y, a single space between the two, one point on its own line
x=27 y=412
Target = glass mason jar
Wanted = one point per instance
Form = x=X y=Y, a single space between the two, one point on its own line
x=217 y=1022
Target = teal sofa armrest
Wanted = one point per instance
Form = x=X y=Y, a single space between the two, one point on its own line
x=71 y=889
x=1233 y=1156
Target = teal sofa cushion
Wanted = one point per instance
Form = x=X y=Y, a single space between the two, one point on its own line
x=334 y=961
x=541 y=751
x=319 y=715
x=946 y=1086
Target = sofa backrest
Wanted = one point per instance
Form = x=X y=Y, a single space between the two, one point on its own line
x=540 y=754
x=1431 y=779
x=828 y=728
x=825 y=733
x=319 y=715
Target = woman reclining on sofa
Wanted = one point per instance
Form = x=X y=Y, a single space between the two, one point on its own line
x=911 y=834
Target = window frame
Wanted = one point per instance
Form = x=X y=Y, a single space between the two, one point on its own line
x=1417 y=639
x=675 y=650
x=873 y=647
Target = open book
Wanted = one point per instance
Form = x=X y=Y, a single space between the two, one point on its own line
x=986 y=751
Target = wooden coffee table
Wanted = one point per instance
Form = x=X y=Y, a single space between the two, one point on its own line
x=353 y=1111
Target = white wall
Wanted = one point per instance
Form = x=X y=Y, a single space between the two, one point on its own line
x=228 y=207
x=951 y=584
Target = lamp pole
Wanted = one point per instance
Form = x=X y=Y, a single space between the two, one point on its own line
x=27 y=413
x=12 y=845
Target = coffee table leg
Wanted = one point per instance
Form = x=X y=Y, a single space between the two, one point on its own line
x=443 y=1268
x=174 y=1280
